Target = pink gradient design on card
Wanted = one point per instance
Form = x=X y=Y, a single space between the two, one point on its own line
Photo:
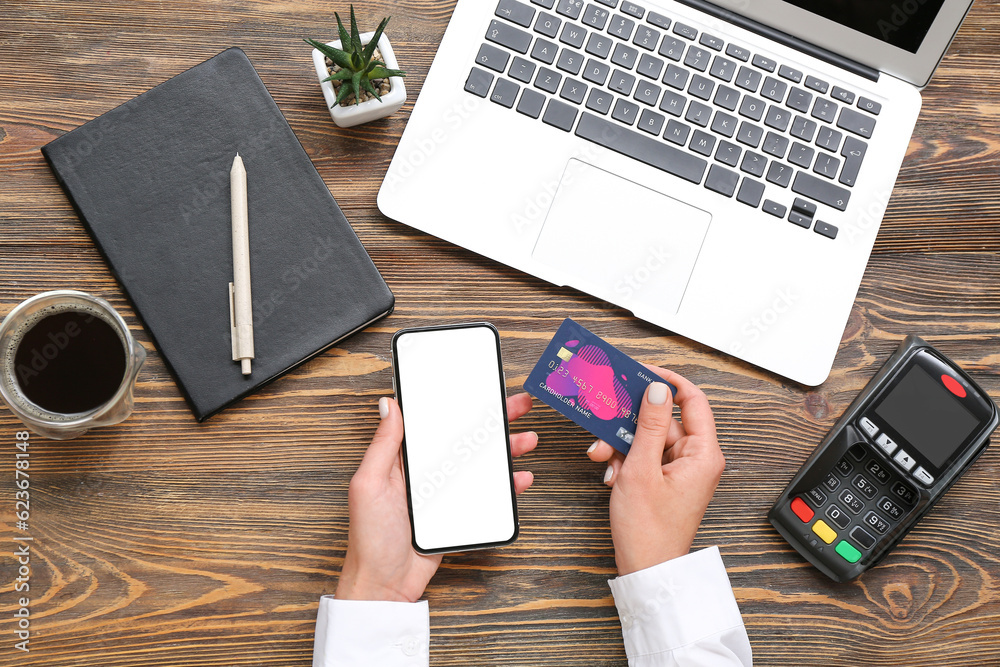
x=591 y=365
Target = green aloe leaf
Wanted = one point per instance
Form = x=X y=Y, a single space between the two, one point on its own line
x=336 y=55
x=345 y=90
x=367 y=85
x=373 y=44
x=382 y=72
x=356 y=46
x=340 y=75
x=345 y=37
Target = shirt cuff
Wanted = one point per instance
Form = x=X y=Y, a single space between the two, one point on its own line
x=677 y=604
x=356 y=632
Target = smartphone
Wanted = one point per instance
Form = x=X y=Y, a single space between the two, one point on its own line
x=904 y=441
x=450 y=386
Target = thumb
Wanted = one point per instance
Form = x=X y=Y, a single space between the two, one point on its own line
x=655 y=417
x=383 y=452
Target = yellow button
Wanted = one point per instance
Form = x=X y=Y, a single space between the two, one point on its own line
x=824 y=531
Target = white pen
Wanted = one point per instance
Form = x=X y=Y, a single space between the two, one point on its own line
x=240 y=302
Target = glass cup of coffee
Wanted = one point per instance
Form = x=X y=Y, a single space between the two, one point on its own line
x=67 y=364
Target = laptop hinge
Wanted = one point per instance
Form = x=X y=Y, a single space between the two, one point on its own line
x=784 y=38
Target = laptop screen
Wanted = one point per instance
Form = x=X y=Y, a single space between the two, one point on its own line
x=901 y=23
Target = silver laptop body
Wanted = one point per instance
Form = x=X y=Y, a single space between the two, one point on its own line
x=665 y=158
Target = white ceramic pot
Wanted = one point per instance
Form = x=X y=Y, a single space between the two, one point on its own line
x=356 y=114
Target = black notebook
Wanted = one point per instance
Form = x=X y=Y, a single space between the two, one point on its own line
x=150 y=181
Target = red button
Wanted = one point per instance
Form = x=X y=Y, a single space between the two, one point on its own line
x=802 y=510
x=953 y=386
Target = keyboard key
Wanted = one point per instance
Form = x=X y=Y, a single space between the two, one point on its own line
x=903 y=492
x=871 y=106
x=609 y=3
x=548 y=80
x=891 y=509
x=544 y=3
x=570 y=8
x=646 y=38
x=751 y=192
x=799 y=100
x=876 y=522
x=698 y=113
x=596 y=71
x=838 y=517
x=493 y=58
x=842 y=94
x=505 y=92
x=561 y=115
x=738 y=52
x=600 y=101
x=818 y=85
x=573 y=36
x=827 y=165
x=728 y=153
x=621 y=27
x=647 y=93
x=659 y=20
x=750 y=134
x=821 y=190
x=777 y=118
x=824 y=109
x=522 y=70
x=752 y=108
x=507 y=35
x=775 y=144
x=848 y=551
x=519 y=13
x=727 y=98
x=754 y=164
x=599 y=45
x=853 y=502
x=621 y=82
x=698 y=58
x=809 y=209
x=673 y=103
x=649 y=66
x=804 y=129
x=724 y=124
x=748 y=79
x=625 y=56
x=801 y=156
x=853 y=152
x=861 y=537
x=722 y=180
x=824 y=531
x=651 y=122
x=774 y=208
x=671 y=48
x=479 y=82
x=765 y=64
x=711 y=41
x=773 y=90
x=570 y=61
x=825 y=229
x=701 y=87
x=595 y=17
x=829 y=139
x=625 y=111
x=685 y=31
x=805 y=222
x=779 y=174
x=858 y=123
x=531 y=103
x=791 y=74
x=574 y=91
x=677 y=132
x=545 y=51
x=723 y=68
x=676 y=77
x=633 y=9
x=702 y=142
x=547 y=24
x=648 y=150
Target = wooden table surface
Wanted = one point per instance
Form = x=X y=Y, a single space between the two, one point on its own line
x=162 y=541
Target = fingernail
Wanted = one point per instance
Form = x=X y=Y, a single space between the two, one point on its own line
x=658 y=393
x=608 y=474
x=590 y=450
x=383 y=407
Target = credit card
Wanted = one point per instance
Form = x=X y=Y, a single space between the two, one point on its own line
x=587 y=379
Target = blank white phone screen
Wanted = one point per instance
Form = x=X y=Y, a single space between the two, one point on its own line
x=449 y=386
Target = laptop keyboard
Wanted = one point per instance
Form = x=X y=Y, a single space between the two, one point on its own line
x=683 y=101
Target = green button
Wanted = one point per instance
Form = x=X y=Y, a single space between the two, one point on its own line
x=849 y=553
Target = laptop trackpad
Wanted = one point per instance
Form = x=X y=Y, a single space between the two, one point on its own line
x=621 y=241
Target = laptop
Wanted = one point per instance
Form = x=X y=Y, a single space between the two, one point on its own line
x=718 y=169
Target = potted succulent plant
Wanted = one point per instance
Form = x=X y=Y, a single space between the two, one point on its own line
x=358 y=74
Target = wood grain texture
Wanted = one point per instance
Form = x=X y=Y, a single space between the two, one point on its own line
x=161 y=541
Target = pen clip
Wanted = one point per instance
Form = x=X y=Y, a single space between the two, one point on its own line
x=232 y=319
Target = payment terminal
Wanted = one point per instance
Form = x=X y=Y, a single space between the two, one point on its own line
x=910 y=434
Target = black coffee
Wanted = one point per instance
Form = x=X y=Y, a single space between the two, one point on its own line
x=71 y=361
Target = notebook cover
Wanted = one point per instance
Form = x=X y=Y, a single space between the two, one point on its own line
x=150 y=181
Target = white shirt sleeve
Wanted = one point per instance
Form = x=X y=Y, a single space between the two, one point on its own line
x=388 y=634
x=682 y=613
